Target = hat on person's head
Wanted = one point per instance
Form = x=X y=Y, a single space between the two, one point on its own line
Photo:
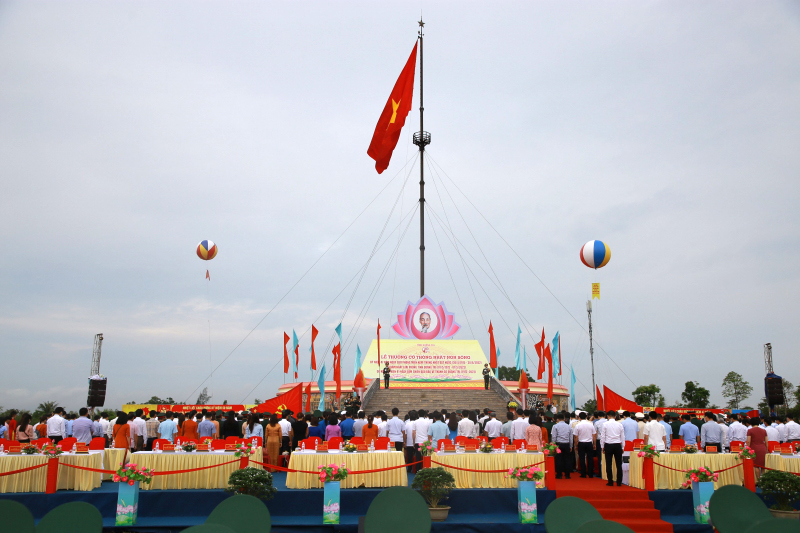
x=639 y=415
x=620 y=411
x=318 y=413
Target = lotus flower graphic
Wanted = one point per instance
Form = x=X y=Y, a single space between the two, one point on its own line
x=425 y=320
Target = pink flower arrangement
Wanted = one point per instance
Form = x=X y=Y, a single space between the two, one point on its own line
x=550 y=449
x=130 y=473
x=51 y=451
x=747 y=453
x=332 y=472
x=426 y=448
x=649 y=451
x=244 y=449
x=699 y=475
x=526 y=473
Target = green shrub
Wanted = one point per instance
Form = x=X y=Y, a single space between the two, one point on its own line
x=783 y=487
x=252 y=481
x=434 y=484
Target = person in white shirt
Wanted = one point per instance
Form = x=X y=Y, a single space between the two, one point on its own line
x=781 y=427
x=654 y=433
x=585 y=437
x=724 y=427
x=383 y=425
x=410 y=439
x=396 y=430
x=519 y=428
x=613 y=438
x=600 y=419
x=476 y=427
x=792 y=429
x=105 y=426
x=772 y=433
x=421 y=427
x=485 y=418
x=286 y=435
x=141 y=430
x=465 y=425
x=493 y=427
x=359 y=424
x=737 y=432
x=56 y=426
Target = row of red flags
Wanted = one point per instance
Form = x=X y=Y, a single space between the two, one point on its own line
x=337 y=359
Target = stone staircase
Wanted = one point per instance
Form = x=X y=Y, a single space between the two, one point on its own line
x=435 y=399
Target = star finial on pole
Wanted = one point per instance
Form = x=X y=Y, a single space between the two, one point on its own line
x=421 y=24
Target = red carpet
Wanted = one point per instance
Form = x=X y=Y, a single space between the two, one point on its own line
x=628 y=506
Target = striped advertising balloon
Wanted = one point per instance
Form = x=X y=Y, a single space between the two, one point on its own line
x=206 y=250
x=595 y=254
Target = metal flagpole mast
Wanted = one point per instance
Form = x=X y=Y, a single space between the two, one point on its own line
x=421 y=139
x=591 y=350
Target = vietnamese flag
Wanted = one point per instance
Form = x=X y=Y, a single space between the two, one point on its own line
x=393 y=117
x=292 y=399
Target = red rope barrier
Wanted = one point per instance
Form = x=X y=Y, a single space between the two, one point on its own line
x=23 y=470
x=505 y=470
x=350 y=473
x=716 y=471
x=88 y=469
x=193 y=469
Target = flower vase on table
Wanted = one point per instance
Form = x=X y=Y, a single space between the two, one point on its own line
x=526 y=477
x=331 y=477
x=128 y=476
x=702 y=482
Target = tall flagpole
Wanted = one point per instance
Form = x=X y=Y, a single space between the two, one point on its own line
x=421 y=139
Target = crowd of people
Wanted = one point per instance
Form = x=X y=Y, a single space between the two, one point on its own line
x=582 y=438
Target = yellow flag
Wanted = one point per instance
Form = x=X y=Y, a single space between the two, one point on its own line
x=595 y=291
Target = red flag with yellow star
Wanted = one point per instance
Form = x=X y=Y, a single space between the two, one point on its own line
x=393 y=118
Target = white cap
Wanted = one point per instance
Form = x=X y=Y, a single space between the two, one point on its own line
x=639 y=415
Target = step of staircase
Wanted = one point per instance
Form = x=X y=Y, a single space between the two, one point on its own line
x=435 y=399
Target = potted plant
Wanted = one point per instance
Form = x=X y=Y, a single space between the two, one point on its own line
x=331 y=477
x=784 y=489
x=690 y=448
x=526 y=477
x=252 y=481
x=128 y=476
x=434 y=484
x=486 y=447
x=30 y=449
x=701 y=480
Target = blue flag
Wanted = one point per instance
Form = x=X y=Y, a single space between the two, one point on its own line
x=516 y=353
x=555 y=353
x=572 y=389
x=294 y=347
x=358 y=361
x=321 y=385
x=339 y=332
x=498 y=359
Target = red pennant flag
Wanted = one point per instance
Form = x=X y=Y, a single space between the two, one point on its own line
x=393 y=117
x=379 y=343
x=285 y=354
x=523 y=380
x=292 y=399
x=337 y=369
x=208 y=276
x=313 y=355
x=492 y=348
x=296 y=360
x=549 y=358
x=601 y=405
x=540 y=351
x=308 y=398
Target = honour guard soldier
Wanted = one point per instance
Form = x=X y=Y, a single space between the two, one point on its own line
x=386 y=374
x=487 y=373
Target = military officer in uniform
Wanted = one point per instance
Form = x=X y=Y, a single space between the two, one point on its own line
x=386 y=374
x=487 y=373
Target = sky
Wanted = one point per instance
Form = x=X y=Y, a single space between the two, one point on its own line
x=131 y=131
